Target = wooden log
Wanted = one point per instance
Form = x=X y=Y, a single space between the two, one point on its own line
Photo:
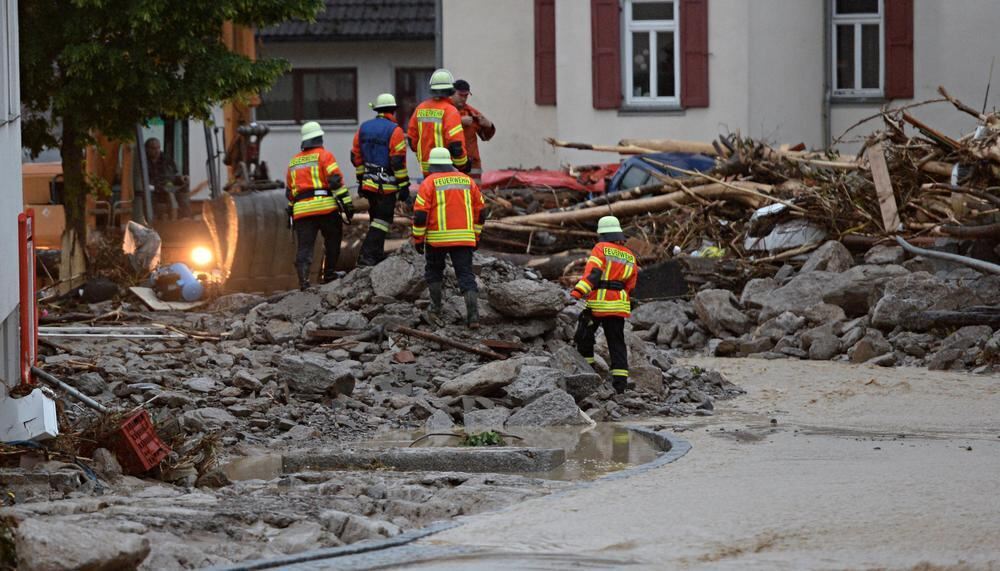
x=935 y=135
x=978 y=315
x=620 y=149
x=445 y=341
x=937 y=167
x=670 y=146
x=550 y=267
x=642 y=205
x=883 y=187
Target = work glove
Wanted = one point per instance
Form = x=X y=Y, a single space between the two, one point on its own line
x=419 y=247
x=403 y=194
x=289 y=211
x=632 y=304
x=349 y=210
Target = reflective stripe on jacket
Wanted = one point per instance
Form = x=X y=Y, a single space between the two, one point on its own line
x=312 y=182
x=608 y=279
x=380 y=146
x=449 y=210
x=436 y=123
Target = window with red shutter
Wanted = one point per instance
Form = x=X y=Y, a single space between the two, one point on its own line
x=605 y=53
x=545 y=52
x=899 y=49
x=652 y=53
x=694 y=53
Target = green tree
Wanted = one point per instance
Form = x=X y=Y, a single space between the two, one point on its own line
x=106 y=65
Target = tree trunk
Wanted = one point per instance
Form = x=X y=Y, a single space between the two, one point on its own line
x=74 y=183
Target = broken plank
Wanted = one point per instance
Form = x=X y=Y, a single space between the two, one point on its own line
x=148 y=296
x=883 y=187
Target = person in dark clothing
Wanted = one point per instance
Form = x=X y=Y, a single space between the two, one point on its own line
x=379 y=157
x=165 y=179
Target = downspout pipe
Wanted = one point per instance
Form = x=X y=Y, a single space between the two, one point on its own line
x=438 y=34
x=827 y=72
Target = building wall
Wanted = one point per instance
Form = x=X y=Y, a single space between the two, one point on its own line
x=767 y=75
x=953 y=45
x=491 y=45
x=376 y=63
x=10 y=189
x=785 y=57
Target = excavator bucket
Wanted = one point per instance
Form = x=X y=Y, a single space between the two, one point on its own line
x=253 y=244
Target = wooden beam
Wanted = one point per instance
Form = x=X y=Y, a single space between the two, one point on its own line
x=883 y=187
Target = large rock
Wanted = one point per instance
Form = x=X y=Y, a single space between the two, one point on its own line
x=295 y=307
x=279 y=331
x=884 y=254
x=872 y=345
x=90 y=384
x=399 y=278
x=208 y=419
x=485 y=380
x=855 y=289
x=716 y=308
x=532 y=382
x=488 y=419
x=756 y=291
x=780 y=326
x=582 y=385
x=526 y=298
x=905 y=295
x=343 y=320
x=830 y=257
x=57 y=545
x=309 y=374
x=570 y=361
x=554 y=409
x=660 y=312
x=203 y=385
x=802 y=292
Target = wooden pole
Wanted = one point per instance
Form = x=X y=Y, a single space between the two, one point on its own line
x=445 y=341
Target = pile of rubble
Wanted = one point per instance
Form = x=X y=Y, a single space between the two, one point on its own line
x=330 y=365
x=892 y=309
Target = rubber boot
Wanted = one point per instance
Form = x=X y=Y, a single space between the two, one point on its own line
x=369 y=249
x=472 y=309
x=433 y=313
x=619 y=383
x=303 y=271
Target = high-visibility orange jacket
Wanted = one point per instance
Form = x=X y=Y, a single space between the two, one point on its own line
x=608 y=279
x=473 y=133
x=436 y=123
x=379 y=155
x=448 y=210
x=312 y=183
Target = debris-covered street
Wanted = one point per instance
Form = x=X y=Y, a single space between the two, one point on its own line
x=466 y=284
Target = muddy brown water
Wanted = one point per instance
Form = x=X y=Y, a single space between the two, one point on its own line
x=591 y=451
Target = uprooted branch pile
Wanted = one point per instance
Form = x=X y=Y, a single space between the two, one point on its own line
x=901 y=182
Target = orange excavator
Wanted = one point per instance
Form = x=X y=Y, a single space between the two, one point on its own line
x=240 y=231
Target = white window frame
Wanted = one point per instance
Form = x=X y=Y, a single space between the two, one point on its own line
x=651 y=27
x=858 y=20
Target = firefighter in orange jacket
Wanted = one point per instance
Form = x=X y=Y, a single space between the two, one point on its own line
x=316 y=193
x=379 y=156
x=448 y=218
x=475 y=125
x=608 y=279
x=436 y=123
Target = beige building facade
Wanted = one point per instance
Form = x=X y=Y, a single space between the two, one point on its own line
x=786 y=71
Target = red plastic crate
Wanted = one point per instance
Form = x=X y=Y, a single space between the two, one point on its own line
x=139 y=448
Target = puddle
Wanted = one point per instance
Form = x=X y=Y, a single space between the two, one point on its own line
x=264 y=467
x=591 y=452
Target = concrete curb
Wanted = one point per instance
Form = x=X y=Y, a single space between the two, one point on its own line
x=675 y=448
